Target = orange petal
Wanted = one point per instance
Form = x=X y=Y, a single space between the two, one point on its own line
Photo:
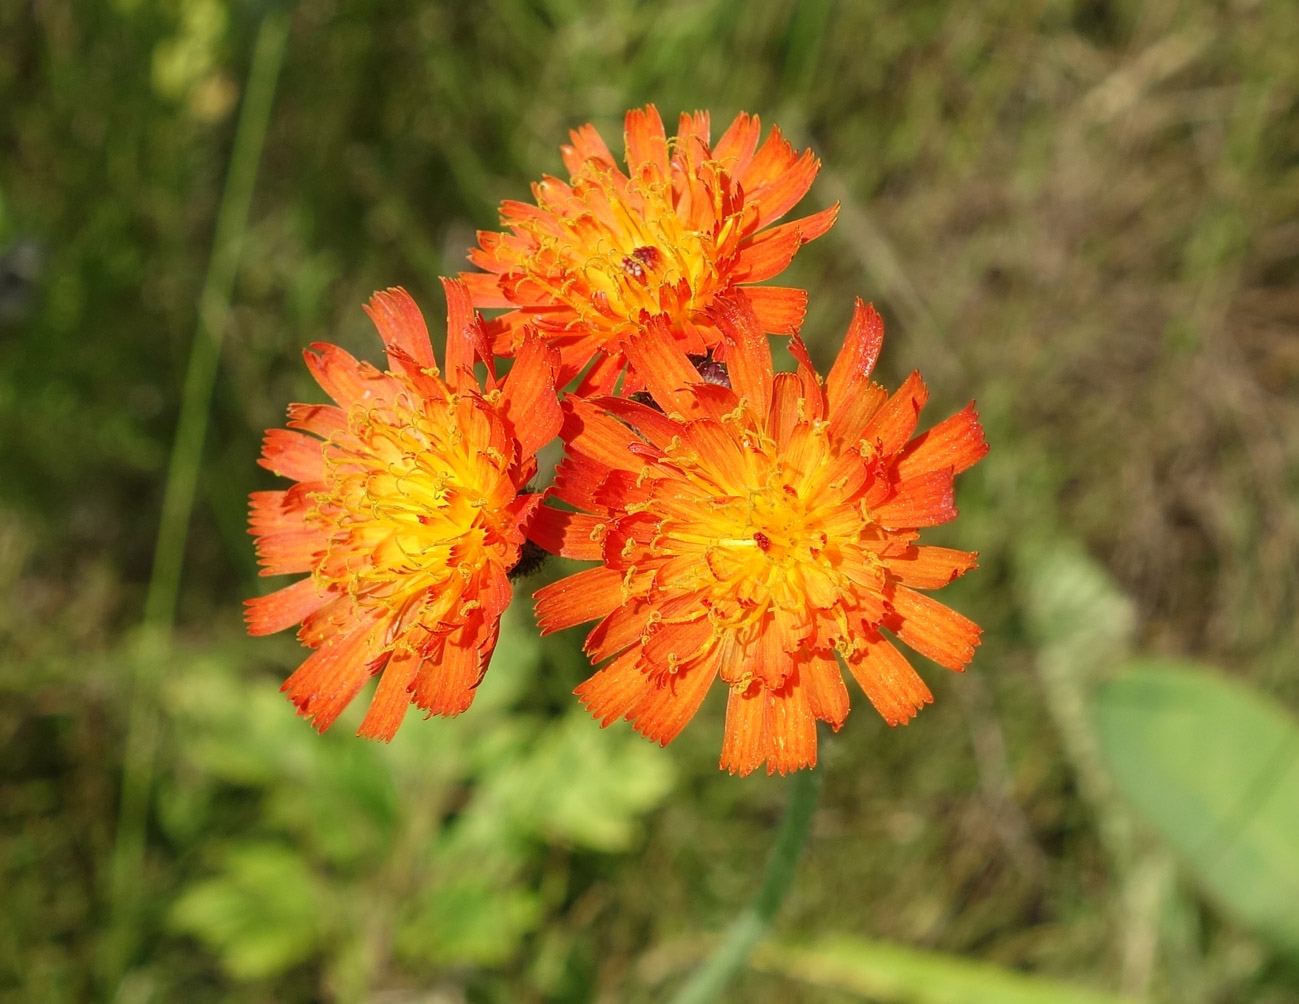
x=614 y=691
x=671 y=701
x=323 y=420
x=719 y=453
x=484 y=288
x=743 y=746
x=779 y=309
x=786 y=392
x=672 y=645
x=734 y=151
x=769 y=167
x=290 y=552
x=827 y=697
x=748 y=358
x=447 y=686
x=767 y=254
x=276 y=512
x=528 y=395
x=587 y=145
x=622 y=628
x=932 y=629
x=892 y=425
x=293 y=455
x=569 y=534
x=647 y=144
x=343 y=378
x=808 y=377
x=890 y=682
x=602 y=377
x=851 y=371
x=465 y=336
x=816 y=225
x=323 y=685
x=586 y=596
x=282 y=608
x=783 y=192
x=930 y=567
x=955 y=442
x=693 y=129
x=925 y=500
x=789 y=728
x=401 y=326
x=652 y=424
x=392 y=698
x=663 y=368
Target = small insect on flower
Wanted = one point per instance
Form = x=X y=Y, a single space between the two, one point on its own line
x=757 y=532
x=687 y=222
x=406 y=514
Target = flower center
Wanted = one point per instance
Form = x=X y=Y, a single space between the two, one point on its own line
x=625 y=250
x=759 y=544
x=410 y=506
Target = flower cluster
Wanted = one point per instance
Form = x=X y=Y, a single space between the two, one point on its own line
x=756 y=527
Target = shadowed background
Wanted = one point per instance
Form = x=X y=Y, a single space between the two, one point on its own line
x=1083 y=215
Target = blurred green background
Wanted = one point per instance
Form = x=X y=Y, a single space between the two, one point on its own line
x=1083 y=214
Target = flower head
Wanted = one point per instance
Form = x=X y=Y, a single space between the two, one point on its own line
x=752 y=533
x=407 y=515
x=688 y=222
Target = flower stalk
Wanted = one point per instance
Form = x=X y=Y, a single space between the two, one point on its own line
x=711 y=978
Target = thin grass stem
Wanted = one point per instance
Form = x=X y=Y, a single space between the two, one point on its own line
x=154 y=644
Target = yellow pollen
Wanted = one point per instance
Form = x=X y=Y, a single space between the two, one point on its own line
x=406 y=509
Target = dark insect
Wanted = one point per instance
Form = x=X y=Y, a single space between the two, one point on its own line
x=531 y=557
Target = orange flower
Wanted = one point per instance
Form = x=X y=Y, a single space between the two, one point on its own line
x=752 y=532
x=406 y=514
x=690 y=222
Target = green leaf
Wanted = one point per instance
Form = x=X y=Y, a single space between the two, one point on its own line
x=580 y=784
x=263 y=914
x=1214 y=767
x=468 y=915
x=897 y=974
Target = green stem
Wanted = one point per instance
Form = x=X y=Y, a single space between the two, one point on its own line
x=748 y=928
x=153 y=649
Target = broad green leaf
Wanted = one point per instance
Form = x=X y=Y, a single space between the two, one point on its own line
x=1214 y=767
x=262 y=914
x=896 y=974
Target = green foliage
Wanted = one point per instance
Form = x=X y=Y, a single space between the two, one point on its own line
x=426 y=843
x=265 y=912
x=1214 y=767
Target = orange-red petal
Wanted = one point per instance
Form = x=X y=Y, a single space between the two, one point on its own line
x=585 y=596
x=930 y=567
x=529 y=403
x=569 y=534
x=889 y=681
x=956 y=442
x=392 y=698
x=293 y=455
x=283 y=608
x=779 y=309
x=856 y=360
x=401 y=326
x=925 y=500
x=932 y=629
